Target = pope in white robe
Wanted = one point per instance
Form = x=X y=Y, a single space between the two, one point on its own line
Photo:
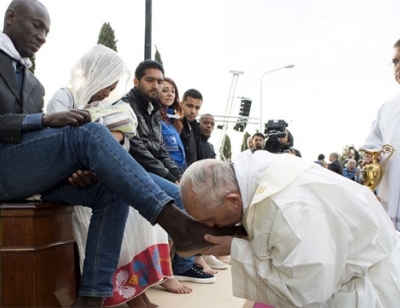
x=315 y=238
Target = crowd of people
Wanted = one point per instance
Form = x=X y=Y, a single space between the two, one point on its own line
x=153 y=205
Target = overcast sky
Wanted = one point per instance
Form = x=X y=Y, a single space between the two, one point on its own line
x=341 y=50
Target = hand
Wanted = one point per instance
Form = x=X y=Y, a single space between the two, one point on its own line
x=367 y=159
x=82 y=178
x=222 y=245
x=119 y=136
x=72 y=117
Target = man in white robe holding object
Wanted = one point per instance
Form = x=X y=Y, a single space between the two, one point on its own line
x=386 y=130
x=315 y=238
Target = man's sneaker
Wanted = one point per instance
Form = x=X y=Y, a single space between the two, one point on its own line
x=214 y=263
x=196 y=274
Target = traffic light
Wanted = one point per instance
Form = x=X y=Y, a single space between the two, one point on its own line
x=240 y=125
x=245 y=106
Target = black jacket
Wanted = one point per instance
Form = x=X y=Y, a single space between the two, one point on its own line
x=148 y=147
x=191 y=153
x=206 y=149
x=335 y=166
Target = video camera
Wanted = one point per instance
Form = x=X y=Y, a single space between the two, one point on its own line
x=274 y=129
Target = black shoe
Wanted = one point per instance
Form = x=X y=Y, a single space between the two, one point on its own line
x=196 y=274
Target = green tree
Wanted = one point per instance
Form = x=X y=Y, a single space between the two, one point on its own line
x=157 y=55
x=32 y=68
x=244 y=146
x=107 y=37
x=226 y=151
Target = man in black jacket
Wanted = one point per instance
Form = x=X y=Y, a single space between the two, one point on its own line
x=335 y=165
x=148 y=147
x=206 y=149
x=149 y=150
x=191 y=104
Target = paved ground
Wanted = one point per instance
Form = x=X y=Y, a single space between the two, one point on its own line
x=215 y=295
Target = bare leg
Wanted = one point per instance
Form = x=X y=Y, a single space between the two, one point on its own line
x=147 y=301
x=174 y=286
x=206 y=268
x=141 y=301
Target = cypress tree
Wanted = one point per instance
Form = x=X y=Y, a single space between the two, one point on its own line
x=244 y=146
x=157 y=55
x=226 y=149
x=107 y=37
x=32 y=68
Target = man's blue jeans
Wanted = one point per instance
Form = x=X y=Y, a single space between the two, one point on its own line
x=43 y=161
x=179 y=264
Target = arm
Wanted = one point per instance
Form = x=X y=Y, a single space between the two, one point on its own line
x=62 y=100
x=167 y=161
x=145 y=158
x=148 y=148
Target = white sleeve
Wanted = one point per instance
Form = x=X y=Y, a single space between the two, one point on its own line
x=62 y=100
x=374 y=139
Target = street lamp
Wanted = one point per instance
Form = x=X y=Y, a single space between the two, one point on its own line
x=261 y=111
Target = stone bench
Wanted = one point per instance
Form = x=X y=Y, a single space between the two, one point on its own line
x=39 y=263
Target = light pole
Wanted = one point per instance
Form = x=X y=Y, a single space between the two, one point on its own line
x=261 y=111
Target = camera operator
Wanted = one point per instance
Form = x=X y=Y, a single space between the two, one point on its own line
x=286 y=144
x=279 y=140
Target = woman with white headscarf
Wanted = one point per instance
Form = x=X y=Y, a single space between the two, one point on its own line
x=145 y=260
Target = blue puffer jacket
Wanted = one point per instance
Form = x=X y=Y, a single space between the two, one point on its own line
x=173 y=142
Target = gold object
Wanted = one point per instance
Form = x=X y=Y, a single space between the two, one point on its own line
x=372 y=173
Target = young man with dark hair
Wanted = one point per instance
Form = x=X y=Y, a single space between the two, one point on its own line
x=191 y=104
x=258 y=141
x=149 y=149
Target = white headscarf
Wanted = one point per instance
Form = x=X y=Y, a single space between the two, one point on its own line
x=8 y=47
x=98 y=69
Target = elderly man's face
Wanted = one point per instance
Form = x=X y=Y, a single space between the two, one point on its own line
x=351 y=165
x=227 y=215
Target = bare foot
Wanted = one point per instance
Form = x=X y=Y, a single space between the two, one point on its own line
x=225 y=259
x=188 y=235
x=141 y=301
x=175 y=286
x=206 y=268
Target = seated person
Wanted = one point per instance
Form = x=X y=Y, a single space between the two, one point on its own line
x=141 y=240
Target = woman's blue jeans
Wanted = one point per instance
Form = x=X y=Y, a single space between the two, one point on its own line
x=43 y=161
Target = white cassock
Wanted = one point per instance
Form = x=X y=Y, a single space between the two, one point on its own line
x=317 y=239
x=386 y=130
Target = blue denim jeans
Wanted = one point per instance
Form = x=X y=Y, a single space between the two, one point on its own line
x=179 y=264
x=43 y=161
